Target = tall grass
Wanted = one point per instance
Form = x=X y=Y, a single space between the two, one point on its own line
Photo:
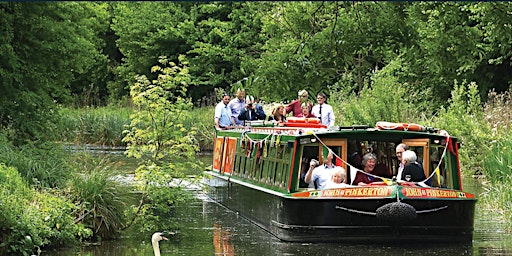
x=99 y=126
x=100 y=198
x=43 y=165
x=202 y=120
x=497 y=158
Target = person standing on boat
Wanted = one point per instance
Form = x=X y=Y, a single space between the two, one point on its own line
x=222 y=114
x=368 y=162
x=249 y=113
x=321 y=174
x=236 y=106
x=306 y=110
x=412 y=170
x=323 y=110
x=278 y=115
x=295 y=106
x=400 y=148
x=259 y=110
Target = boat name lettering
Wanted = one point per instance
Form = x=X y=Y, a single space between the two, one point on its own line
x=422 y=192
x=357 y=192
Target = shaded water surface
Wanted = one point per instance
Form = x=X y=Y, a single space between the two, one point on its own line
x=210 y=229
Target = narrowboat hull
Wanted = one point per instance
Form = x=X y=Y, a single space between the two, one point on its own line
x=314 y=216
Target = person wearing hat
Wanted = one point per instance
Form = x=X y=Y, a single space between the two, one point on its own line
x=236 y=106
x=295 y=106
x=249 y=113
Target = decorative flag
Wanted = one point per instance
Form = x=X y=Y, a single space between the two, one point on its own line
x=438 y=174
x=388 y=182
x=353 y=173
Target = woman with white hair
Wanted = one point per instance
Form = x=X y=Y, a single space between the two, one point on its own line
x=412 y=170
x=338 y=178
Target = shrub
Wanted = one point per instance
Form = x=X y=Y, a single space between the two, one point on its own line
x=101 y=200
x=384 y=99
x=31 y=220
x=464 y=119
x=41 y=164
x=159 y=139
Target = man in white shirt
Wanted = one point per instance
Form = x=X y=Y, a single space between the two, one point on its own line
x=323 y=110
x=223 y=114
x=322 y=173
x=400 y=148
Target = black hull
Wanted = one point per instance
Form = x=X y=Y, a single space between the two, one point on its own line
x=345 y=219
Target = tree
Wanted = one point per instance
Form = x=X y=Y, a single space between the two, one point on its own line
x=44 y=46
x=158 y=139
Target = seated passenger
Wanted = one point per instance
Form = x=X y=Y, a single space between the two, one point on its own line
x=381 y=169
x=368 y=162
x=306 y=110
x=321 y=174
x=259 y=110
x=338 y=178
x=412 y=170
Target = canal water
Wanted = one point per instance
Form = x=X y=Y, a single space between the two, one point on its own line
x=208 y=228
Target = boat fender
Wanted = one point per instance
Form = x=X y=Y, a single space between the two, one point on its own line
x=396 y=212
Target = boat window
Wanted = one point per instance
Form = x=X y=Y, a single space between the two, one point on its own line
x=436 y=153
x=309 y=151
x=419 y=146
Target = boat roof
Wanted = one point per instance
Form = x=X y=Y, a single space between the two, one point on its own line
x=355 y=131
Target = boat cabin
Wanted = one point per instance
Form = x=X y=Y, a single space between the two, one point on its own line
x=276 y=157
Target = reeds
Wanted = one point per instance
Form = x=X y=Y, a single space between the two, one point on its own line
x=99 y=126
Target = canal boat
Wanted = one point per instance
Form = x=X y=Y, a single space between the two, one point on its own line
x=257 y=169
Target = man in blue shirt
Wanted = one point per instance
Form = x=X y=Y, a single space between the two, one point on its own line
x=223 y=113
x=236 y=106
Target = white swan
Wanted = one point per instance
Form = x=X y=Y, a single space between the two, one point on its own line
x=155 y=238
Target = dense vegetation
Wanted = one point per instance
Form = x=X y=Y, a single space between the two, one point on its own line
x=443 y=64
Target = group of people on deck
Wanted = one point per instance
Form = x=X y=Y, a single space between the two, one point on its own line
x=231 y=113
x=328 y=175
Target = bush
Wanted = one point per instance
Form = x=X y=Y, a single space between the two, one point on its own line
x=101 y=200
x=41 y=164
x=384 y=99
x=202 y=120
x=30 y=220
x=464 y=119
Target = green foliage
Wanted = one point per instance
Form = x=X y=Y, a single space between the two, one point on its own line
x=41 y=164
x=143 y=36
x=99 y=126
x=159 y=140
x=498 y=160
x=100 y=198
x=384 y=100
x=44 y=47
x=464 y=118
x=497 y=157
x=201 y=119
x=30 y=221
